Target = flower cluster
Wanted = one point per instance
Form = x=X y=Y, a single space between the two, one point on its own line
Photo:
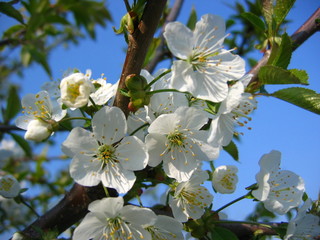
x=180 y=119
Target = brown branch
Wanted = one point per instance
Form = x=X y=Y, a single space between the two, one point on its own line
x=74 y=205
x=310 y=27
x=139 y=42
x=161 y=52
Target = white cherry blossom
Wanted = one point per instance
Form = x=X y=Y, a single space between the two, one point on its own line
x=75 y=89
x=189 y=199
x=176 y=139
x=232 y=110
x=225 y=179
x=109 y=219
x=9 y=186
x=105 y=154
x=103 y=93
x=305 y=225
x=40 y=115
x=204 y=67
x=166 y=228
x=279 y=191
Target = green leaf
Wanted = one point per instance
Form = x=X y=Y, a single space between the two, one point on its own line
x=39 y=57
x=255 y=20
x=22 y=143
x=191 y=24
x=152 y=50
x=232 y=149
x=276 y=75
x=7 y=9
x=281 y=55
x=267 y=11
x=220 y=233
x=13 y=104
x=281 y=9
x=301 y=97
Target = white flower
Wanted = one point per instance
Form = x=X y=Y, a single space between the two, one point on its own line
x=41 y=116
x=76 y=89
x=104 y=92
x=205 y=67
x=189 y=198
x=237 y=105
x=166 y=228
x=278 y=190
x=176 y=139
x=106 y=154
x=305 y=226
x=9 y=186
x=225 y=179
x=109 y=219
x=17 y=236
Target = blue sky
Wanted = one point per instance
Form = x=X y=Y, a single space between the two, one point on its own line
x=276 y=125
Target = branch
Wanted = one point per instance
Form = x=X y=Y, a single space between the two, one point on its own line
x=139 y=42
x=161 y=52
x=74 y=205
x=310 y=27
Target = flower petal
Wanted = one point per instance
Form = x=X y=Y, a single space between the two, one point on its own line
x=89 y=228
x=179 y=39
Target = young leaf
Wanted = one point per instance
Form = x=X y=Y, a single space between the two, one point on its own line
x=192 y=19
x=13 y=104
x=255 y=20
x=281 y=55
x=232 y=149
x=22 y=143
x=276 y=75
x=301 y=97
x=152 y=50
x=220 y=233
x=281 y=10
x=7 y=9
x=267 y=11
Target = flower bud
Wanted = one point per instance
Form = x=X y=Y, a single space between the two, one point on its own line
x=75 y=90
x=38 y=131
x=135 y=82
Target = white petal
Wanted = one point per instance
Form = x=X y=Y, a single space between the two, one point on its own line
x=38 y=130
x=114 y=176
x=178 y=212
x=79 y=140
x=164 y=124
x=156 y=146
x=221 y=129
x=179 y=39
x=264 y=188
x=89 y=228
x=109 y=125
x=132 y=153
x=85 y=170
x=191 y=118
x=271 y=161
x=107 y=207
x=183 y=78
x=169 y=227
x=209 y=30
x=138 y=216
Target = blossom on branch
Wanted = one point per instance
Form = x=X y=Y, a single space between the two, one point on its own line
x=105 y=154
x=176 y=139
x=225 y=179
x=40 y=116
x=76 y=89
x=279 y=191
x=204 y=67
x=9 y=186
x=109 y=219
x=189 y=199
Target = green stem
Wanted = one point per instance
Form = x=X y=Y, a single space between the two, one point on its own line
x=156 y=79
x=232 y=202
x=93 y=104
x=244 y=222
x=164 y=90
x=106 y=191
x=74 y=118
x=142 y=126
x=27 y=205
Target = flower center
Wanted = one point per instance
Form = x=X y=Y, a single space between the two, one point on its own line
x=73 y=90
x=227 y=180
x=106 y=154
x=6 y=184
x=176 y=139
x=118 y=229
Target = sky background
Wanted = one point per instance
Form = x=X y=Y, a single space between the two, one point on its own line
x=276 y=125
